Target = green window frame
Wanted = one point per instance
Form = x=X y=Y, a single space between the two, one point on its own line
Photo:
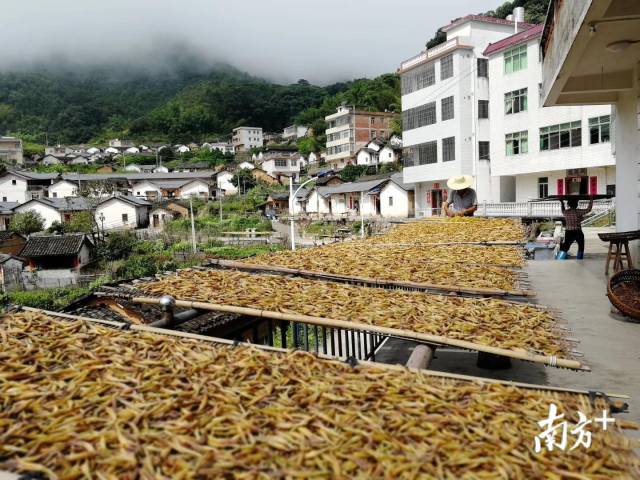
x=516 y=143
x=600 y=129
x=563 y=135
x=515 y=59
x=516 y=101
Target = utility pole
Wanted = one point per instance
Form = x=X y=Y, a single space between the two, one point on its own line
x=293 y=228
x=193 y=227
x=220 y=200
x=361 y=215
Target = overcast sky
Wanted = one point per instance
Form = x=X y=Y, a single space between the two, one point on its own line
x=284 y=40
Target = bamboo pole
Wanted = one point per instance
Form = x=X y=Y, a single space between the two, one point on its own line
x=482 y=243
x=421 y=357
x=372 y=281
x=365 y=363
x=394 y=332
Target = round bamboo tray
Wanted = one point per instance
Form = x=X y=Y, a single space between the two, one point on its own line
x=623 y=291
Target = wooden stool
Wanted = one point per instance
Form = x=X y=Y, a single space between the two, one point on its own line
x=618 y=256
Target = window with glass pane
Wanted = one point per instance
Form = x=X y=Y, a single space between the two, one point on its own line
x=515 y=59
x=422 y=154
x=418 y=78
x=515 y=102
x=448 y=149
x=543 y=187
x=600 y=129
x=483 y=108
x=483 y=151
x=447 y=108
x=446 y=67
x=419 y=116
x=564 y=135
x=281 y=162
x=483 y=67
x=517 y=143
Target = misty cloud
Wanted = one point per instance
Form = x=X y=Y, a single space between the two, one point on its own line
x=283 y=40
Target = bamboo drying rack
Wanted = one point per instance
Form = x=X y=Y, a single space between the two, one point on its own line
x=222 y=341
x=520 y=354
x=372 y=282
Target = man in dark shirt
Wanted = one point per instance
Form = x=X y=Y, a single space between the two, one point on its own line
x=462 y=200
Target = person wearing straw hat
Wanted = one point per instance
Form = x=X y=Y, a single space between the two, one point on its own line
x=462 y=200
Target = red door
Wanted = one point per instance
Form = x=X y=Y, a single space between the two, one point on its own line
x=593 y=185
x=560 y=184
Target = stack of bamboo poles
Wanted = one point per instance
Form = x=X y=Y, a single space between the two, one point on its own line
x=81 y=400
x=517 y=330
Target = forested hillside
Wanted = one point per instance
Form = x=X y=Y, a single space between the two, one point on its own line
x=83 y=106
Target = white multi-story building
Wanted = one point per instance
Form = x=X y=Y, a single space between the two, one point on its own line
x=11 y=150
x=246 y=138
x=294 y=132
x=547 y=151
x=470 y=107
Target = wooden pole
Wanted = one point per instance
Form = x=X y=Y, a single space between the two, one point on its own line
x=519 y=354
x=421 y=357
x=372 y=281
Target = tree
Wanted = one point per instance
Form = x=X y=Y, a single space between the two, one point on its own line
x=352 y=172
x=244 y=180
x=81 y=222
x=26 y=223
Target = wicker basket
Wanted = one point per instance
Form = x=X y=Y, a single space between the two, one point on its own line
x=623 y=291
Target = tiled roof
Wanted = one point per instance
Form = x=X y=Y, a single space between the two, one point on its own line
x=6 y=235
x=53 y=245
x=5 y=257
x=6 y=207
x=139 y=202
x=33 y=175
x=138 y=176
x=483 y=18
x=68 y=203
x=515 y=39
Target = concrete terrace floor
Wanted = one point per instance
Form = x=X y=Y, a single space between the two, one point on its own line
x=609 y=341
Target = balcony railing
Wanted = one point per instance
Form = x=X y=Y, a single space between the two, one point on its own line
x=536 y=209
x=431 y=53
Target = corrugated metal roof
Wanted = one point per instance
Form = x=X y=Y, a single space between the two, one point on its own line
x=515 y=39
x=53 y=245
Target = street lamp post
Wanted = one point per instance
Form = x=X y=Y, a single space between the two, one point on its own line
x=292 y=196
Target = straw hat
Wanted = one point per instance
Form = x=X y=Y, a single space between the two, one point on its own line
x=460 y=183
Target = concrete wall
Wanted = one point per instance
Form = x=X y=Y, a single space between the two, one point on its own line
x=143 y=189
x=197 y=188
x=224 y=183
x=49 y=214
x=113 y=211
x=63 y=189
x=13 y=193
x=317 y=203
x=399 y=205
x=627 y=133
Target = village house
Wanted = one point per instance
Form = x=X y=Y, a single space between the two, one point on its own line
x=78 y=160
x=55 y=260
x=294 y=132
x=246 y=138
x=20 y=186
x=223 y=181
x=122 y=212
x=221 y=147
x=350 y=129
x=288 y=166
x=246 y=166
x=57 y=150
x=63 y=188
x=6 y=213
x=397 y=199
x=49 y=160
x=11 y=150
x=167 y=211
x=11 y=242
x=10 y=271
x=121 y=143
x=55 y=209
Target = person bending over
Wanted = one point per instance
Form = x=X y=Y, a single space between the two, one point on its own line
x=573 y=226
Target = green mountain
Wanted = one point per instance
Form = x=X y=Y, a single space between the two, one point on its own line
x=90 y=105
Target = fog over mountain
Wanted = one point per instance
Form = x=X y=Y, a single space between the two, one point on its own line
x=282 y=40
